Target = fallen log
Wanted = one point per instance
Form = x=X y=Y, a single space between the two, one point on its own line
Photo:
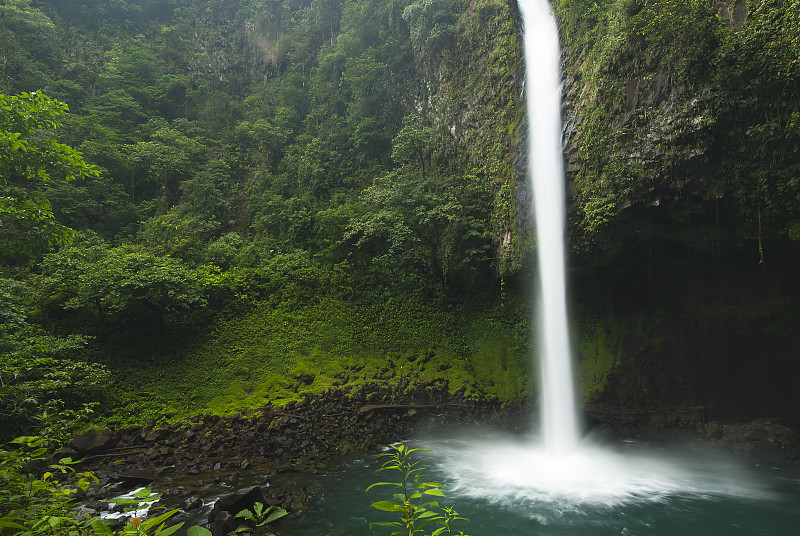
x=118 y=454
x=365 y=409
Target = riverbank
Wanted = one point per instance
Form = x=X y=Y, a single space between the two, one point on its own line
x=280 y=449
x=280 y=445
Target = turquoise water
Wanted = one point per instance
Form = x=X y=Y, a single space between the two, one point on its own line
x=706 y=493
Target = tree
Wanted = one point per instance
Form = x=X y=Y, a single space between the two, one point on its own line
x=435 y=223
x=28 y=152
x=123 y=288
x=26 y=35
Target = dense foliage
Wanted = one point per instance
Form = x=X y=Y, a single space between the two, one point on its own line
x=691 y=100
x=226 y=164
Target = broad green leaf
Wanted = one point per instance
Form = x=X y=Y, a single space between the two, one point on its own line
x=169 y=530
x=160 y=519
x=126 y=502
x=11 y=525
x=198 y=531
x=144 y=493
x=276 y=514
x=384 y=484
x=385 y=524
x=387 y=506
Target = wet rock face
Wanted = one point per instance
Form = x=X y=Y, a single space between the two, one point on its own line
x=765 y=440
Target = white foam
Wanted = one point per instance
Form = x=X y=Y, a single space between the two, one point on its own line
x=517 y=471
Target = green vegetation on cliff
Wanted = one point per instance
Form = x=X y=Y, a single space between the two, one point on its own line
x=283 y=190
x=690 y=100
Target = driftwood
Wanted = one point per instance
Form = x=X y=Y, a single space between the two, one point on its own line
x=365 y=409
x=117 y=449
x=291 y=415
x=118 y=454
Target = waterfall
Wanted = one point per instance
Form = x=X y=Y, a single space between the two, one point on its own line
x=565 y=477
x=546 y=177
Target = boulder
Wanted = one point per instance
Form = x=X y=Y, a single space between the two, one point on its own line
x=236 y=502
x=92 y=440
x=192 y=503
x=221 y=523
x=137 y=477
x=60 y=454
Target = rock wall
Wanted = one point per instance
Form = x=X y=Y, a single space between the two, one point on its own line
x=680 y=156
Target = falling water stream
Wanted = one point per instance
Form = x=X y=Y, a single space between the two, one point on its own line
x=559 y=482
x=546 y=176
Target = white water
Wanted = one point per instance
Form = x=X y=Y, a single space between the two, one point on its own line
x=510 y=470
x=546 y=176
x=560 y=471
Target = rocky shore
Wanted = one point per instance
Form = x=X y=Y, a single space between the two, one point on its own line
x=269 y=455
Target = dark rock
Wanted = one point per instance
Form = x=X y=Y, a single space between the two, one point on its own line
x=98 y=506
x=222 y=523
x=713 y=430
x=84 y=513
x=180 y=491
x=236 y=502
x=164 y=470
x=192 y=503
x=137 y=477
x=93 y=440
x=60 y=454
x=291 y=495
x=111 y=490
x=159 y=434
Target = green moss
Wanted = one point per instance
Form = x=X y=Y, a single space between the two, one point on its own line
x=276 y=354
x=599 y=345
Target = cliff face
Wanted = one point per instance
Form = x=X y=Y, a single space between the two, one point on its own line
x=683 y=101
x=682 y=150
x=470 y=85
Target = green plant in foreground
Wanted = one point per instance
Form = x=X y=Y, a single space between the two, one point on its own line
x=136 y=526
x=414 y=503
x=32 y=504
x=260 y=516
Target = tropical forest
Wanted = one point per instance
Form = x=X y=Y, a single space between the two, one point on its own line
x=415 y=267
